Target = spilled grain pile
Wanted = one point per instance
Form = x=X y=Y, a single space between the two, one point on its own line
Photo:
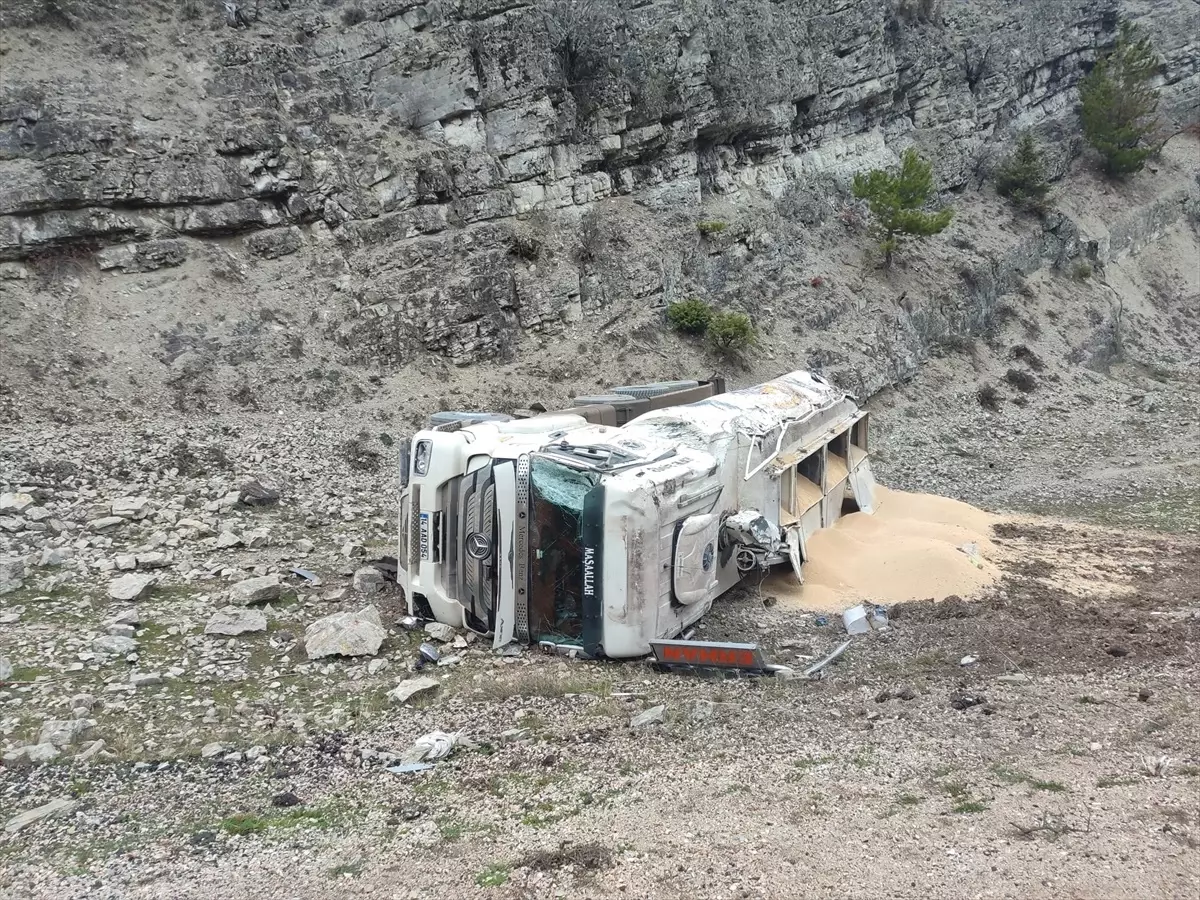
x=910 y=549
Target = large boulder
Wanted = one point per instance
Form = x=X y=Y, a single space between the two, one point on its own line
x=345 y=634
x=255 y=590
x=233 y=621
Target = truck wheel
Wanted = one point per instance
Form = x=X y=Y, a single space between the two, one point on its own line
x=654 y=388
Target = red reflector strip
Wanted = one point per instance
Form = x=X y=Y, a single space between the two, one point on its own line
x=708 y=654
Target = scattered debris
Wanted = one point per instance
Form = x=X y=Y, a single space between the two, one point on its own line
x=433 y=746
x=1015 y=678
x=964 y=700
x=968 y=661
x=972 y=551
x=427 y=653
x=410 y=768
x=310 y=577
x=1143 y=695
x=285 y=800
x=815 y=668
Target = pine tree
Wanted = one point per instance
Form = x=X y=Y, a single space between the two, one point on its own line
x=1119 y=103
x=897 y=200
x=1022 y=177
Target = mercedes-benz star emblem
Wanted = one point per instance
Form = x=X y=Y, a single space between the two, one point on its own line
x=478 y=546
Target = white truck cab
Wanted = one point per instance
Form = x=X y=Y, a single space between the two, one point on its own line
x=619 y=521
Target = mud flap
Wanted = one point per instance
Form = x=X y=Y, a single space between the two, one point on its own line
x=862 y=482
x=796 y=550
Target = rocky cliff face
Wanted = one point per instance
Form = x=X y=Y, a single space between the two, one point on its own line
x=450 y=178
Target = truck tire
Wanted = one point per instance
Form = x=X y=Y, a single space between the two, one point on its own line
x=654 y=388
x=469 y=418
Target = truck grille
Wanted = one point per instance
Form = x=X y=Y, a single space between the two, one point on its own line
x=521 y=550
x=414 y=528
x=475 y=584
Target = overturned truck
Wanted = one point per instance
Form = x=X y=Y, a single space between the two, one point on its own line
x=617 y=522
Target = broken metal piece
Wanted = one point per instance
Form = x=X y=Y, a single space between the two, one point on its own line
x=428 y=653
x=816 y=667
x=409 y=768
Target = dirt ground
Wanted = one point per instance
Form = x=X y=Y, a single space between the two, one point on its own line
x=1072 y=769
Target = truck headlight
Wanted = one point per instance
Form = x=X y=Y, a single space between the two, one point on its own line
x=421 y=457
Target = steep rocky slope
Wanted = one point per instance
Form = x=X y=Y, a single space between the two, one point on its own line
x=339 y=200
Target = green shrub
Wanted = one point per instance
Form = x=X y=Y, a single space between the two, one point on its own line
x=896 y=202
x=689 y=316
x=1082 y=271
x=1022 y=177
x=731 y=333
x=1119 y=104
x=711 y=227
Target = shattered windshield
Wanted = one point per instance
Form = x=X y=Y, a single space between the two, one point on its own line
x=556 y=583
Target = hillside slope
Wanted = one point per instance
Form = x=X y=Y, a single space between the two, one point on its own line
x=339 y=201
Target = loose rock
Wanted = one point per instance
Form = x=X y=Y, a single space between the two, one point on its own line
x=255 y=493
x=440 y=631
x=368 y=580
x=15 y=502
x=256 y=590
x=114 y=645
x=65 y=732
x=406 y=690
x=131 y=507
x=233 y=620
x=49 y=810
x=345 y=634
x=12 y=575
x=131 y=587
x=652 y=716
